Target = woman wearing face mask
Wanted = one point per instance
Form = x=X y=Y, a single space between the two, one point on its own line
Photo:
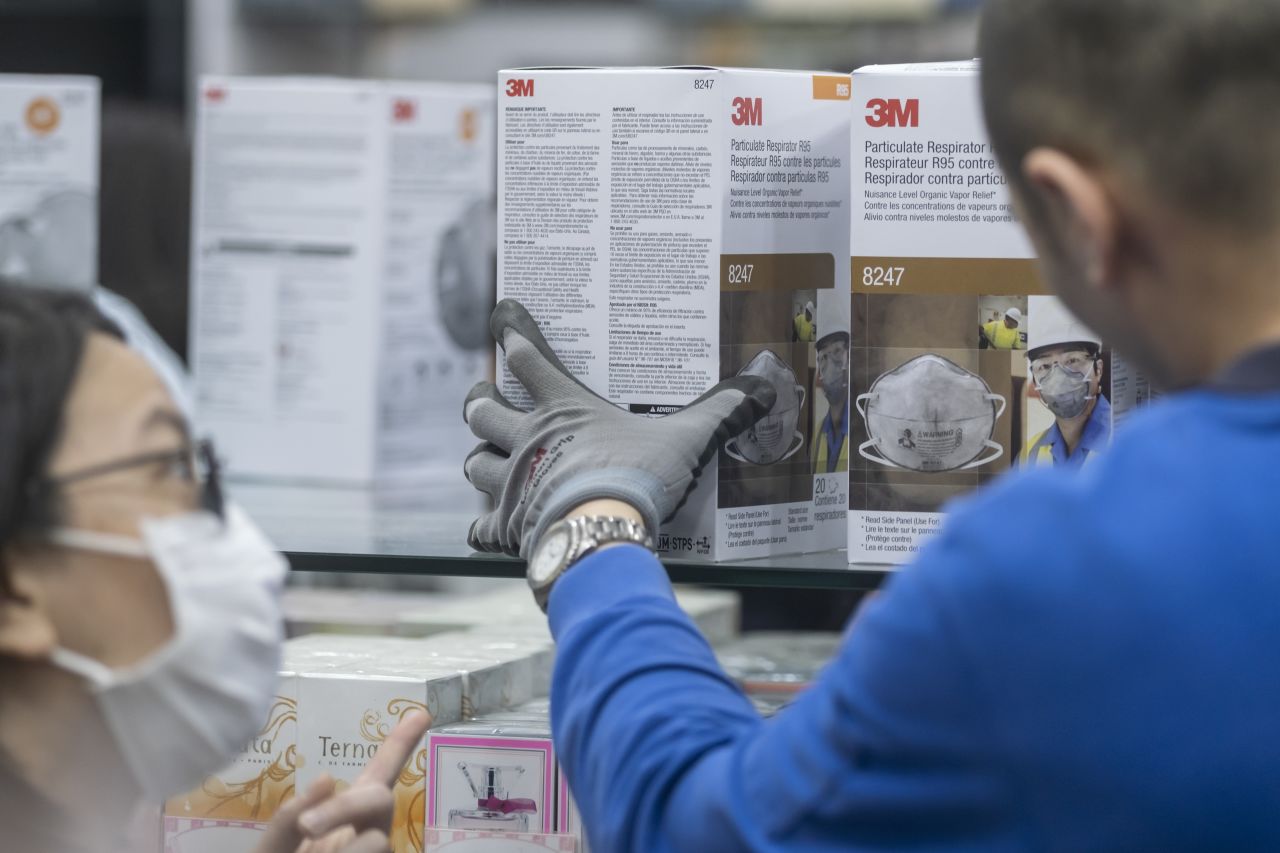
x=139 y=620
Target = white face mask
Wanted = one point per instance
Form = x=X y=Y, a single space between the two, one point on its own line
x=931 y=415
x=188 y=708
x=774 y=437
x=1066 y=392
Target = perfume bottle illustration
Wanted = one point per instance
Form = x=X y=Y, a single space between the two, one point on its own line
x=494 y=809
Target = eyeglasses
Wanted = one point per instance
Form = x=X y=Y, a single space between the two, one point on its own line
x=1075 y=362
x=197 y=464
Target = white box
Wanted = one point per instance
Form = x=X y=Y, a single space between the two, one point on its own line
x=668 y=228
x=49 y=152
x=492 y=776
x=261 y=779
x=941 y=384
x=344 y=714
x=342 y=258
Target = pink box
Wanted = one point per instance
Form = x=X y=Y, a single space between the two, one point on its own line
x=515 y=778
x=473 y=841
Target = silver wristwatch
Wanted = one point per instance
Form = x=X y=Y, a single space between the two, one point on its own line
x=568 y=541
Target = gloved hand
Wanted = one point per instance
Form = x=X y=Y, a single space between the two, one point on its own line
x=575 y=447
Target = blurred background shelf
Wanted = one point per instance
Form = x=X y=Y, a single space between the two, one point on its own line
x=411 y=532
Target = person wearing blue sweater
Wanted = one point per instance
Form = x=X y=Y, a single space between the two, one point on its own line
x=1116 y=688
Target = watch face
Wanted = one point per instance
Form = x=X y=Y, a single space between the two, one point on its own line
x=549 y=556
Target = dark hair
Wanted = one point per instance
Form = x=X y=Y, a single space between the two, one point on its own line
x=1182 y=96
x=42 y=336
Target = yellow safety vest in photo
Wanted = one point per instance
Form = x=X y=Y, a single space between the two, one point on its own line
x=804 y=329
x=822 y=456
x=1001 y=336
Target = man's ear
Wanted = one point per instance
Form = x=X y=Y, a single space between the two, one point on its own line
x=1081 y=212
x=26 y=631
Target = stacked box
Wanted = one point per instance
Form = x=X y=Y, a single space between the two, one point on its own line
x=672 y=227
x=49 y=144
x=231 y=807
x=346 y=712
x=512 y=612
x=495 y=776
x=342 y=274
x=479 y=841
x=953 y=329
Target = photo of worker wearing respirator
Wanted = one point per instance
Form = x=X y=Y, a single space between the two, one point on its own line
x=1002 y=323
x=831 y=430
x=1068 y=412
x=771 y=335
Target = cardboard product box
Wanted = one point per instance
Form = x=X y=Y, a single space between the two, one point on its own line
x=312 y=610
x=947 y=307
x=778 y=662
x=503 y=669
x=475 y=841
x=342 y=274
x=510 y=607
x=670 y=228
x=493 y=776
x=261 y=779
x=718 y=613
x=568 y=818
x=344 y=714
x=211 y=835
x=49 y=154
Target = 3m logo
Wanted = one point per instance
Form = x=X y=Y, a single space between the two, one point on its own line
x=748 y=111
x=215 y=94
x=894 y=113
x=519 y=88
x=404 y=110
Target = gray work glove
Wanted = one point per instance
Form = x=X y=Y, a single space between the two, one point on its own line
x=575 y=447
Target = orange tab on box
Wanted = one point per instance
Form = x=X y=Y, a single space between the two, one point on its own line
x=828 y=87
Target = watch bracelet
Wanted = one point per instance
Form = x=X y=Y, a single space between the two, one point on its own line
x=607 y=529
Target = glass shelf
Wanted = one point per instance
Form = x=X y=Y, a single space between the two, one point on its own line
x=419 y=532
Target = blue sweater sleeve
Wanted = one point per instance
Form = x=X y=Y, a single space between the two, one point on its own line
x=665 y=753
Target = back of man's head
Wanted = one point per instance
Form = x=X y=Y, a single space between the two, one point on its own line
x=1179 y=97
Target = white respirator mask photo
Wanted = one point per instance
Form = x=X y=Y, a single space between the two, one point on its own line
x=1066 y=392
x=774 y=438
x=931 y=415
x=190 y=707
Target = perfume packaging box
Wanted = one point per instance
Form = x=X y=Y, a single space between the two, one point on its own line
x=347 y=711
x=261 y=778
x=479 y=841
x=496 y=776
x=672 y=227
x=211 y=835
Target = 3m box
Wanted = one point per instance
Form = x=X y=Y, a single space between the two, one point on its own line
x=962 y=366
x=49 y=151
x=342 y=274
x=672 y=227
